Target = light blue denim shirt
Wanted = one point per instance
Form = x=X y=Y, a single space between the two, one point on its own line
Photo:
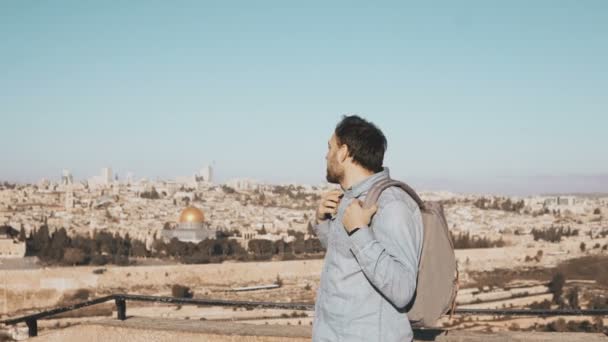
x=369 y=277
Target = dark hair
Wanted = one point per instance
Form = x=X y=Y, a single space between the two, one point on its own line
x=366 y=142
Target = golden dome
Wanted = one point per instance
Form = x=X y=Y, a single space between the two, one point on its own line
x=192 y=215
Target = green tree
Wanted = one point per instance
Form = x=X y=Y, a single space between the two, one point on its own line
x=573 y=298
x=41 y=240
x=261 y=249
x=180 y=291
x=59 y=242
x=138 y=249
x=22 y=236
x=74 y=256
x=556 y=287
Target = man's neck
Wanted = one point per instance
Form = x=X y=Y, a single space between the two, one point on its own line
x=355 y=177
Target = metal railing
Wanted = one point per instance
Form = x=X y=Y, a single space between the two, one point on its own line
x=121 y=309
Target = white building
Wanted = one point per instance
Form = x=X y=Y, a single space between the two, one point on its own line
x=66 y=177
x=243 y=184
x=561 y=201
x=69 y=200
x=191 y=227
x=44 y=183
x=102 y=180
x=129 y=177
x=206 y=174
x=106 y=175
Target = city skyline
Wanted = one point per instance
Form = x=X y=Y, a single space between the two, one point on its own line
x=472 y=98
x=532 y=186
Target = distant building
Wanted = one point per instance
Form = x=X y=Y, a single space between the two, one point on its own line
x=106 y=175
x=106 y=178
x=190 y=228
x=187 y=181
x=44 y=183
x=104 y=201
x=243 y=184
x=205 y=174
x=129 y=177
x=69 y=200
x=66 y=177
x=561 y=201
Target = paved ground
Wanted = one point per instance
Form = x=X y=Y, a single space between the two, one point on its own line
x=26 y=263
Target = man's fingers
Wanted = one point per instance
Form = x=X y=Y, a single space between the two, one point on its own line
x=357 y=203
x=333 y=192
x=326 y=210
x=333 y=198
x=330 y=204
x=336 y=194
x=372 y=210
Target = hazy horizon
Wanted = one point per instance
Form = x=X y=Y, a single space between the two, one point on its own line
x=511 y=186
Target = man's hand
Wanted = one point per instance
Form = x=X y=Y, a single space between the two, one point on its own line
x=357 y=216
x=328 y=205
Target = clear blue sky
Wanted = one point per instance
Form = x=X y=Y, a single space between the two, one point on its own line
x=507 y=96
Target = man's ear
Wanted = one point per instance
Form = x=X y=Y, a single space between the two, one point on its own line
x=343 y=153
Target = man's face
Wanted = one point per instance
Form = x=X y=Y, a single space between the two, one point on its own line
x=335 y=171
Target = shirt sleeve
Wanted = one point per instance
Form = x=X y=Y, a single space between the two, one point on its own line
x=389 y=252
x=322 y=231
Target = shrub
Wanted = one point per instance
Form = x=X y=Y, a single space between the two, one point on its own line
x=573 y=298
x=514 y=327
x=99 y=271
x=465 y=241
x=5 y=337
x=77 y=296
x=73 y=256
x=556 y=287
x=598 y=302
x=544 y=305
x=553 y=234
x=593 y=267
x=561 y=325
x=557 y=325
x=279 y=281
x=180 y=291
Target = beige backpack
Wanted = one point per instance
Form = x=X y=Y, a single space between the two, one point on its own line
x=437 y=282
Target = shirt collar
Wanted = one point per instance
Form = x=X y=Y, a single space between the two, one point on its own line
x=366 y=184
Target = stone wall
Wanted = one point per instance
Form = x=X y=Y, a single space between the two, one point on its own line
x=11 y=249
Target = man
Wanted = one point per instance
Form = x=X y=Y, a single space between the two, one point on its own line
x=372 y=255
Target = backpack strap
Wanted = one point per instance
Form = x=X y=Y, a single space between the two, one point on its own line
x=377 y=189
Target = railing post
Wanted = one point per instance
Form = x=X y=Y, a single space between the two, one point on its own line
x=32 y=327
x=121 y=309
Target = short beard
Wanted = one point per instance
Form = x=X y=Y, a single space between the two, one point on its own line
x=333 y=178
